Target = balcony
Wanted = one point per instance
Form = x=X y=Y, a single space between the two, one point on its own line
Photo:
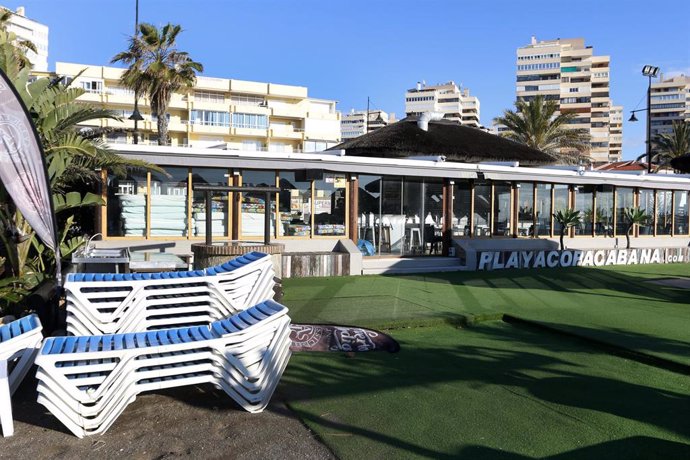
x=286 y=132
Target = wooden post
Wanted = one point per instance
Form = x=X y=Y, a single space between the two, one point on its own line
x=353 y=209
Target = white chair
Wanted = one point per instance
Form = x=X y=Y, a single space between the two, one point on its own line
x=87 y=382
x=19 y=341
x=118 y=303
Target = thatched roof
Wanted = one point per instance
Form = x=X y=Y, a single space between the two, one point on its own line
x=456 y=142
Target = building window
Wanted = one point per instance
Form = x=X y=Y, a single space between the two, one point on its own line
x=482 y=208
x=254 y=204
x=243 y=99
x=525 y=216
x=501 y=209
x=219 y=202
x=249 y=120
x=92 y=86
x=295 y=206
x=664 y=212
x=462 y=201
x=543 y=209
x=584 y=198
x=329 y=205
x=624 y=200
x=647 y=205
x=209 y=96
x=209 y=118
x=127 y=205
x=604 y=210
x=561 y=202
x=680 y=212
x=169 y=203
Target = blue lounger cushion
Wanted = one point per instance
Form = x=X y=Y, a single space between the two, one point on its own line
x=234 y=264
x=18 y=327
x=238 y=322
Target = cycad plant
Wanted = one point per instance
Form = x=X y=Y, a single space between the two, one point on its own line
x=633 y=216
x=157 y=69
x=538 y=124
x=566 y=218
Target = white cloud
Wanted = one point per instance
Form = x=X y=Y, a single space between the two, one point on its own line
x=675 y=72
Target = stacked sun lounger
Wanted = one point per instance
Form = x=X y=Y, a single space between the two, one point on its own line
x=87 y=382
x=117 y=303
x=19 y=341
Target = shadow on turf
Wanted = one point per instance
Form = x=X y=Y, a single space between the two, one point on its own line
x=635 y=447
x=561 y=382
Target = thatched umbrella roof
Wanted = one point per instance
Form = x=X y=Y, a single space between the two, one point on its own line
x=682 y=163
x=455 y=142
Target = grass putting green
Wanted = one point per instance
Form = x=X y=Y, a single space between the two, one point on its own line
x=612 y=304
x=490 y=391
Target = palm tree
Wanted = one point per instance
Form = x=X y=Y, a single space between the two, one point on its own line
x=537 y=124
x=158 y=69
x=672 y=145
x=567 y=218
x=633 y=216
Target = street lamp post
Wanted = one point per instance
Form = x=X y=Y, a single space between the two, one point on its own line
x=136 y=116
x=650 y=72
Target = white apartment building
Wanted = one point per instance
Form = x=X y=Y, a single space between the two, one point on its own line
x=616 y=131
x=217 y=112
x=567 y=71
x=35 y=32
x=454 y=102
x=359 y=122
x=670 y=101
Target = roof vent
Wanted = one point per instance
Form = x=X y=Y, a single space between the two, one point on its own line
x=426 y=117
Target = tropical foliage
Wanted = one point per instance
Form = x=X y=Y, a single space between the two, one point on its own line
x=537 y=124
x=157 y=69
x=633 y=216
x=72 y=160
x=11 y=47
x=672 y=145
x=566 y=218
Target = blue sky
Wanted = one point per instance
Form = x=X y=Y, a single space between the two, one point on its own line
x=348 y=50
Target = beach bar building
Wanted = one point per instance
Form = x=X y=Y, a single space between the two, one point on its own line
x=419 y=187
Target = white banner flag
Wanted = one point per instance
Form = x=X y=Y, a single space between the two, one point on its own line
x=22 y=168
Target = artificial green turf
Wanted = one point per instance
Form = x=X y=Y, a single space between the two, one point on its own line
x=612 y=304
x=490 y=391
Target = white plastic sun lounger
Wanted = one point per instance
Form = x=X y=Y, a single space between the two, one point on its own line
x=119 y=303
x=19 y=341
x=87 y=382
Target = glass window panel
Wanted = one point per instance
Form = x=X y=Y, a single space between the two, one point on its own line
x=461 y=207
x=482 y=208
x=647 y=205
x=254 y=204
x=526 y=209
x=433 y=210
x=560 y=202
x=414 y=218
x=219 y=202
x=294 y=206
x=391 y=222
x=329 y=205
x=169 y=203
x=664 y=211
x=680 y=213
x=127 y=205
x=584 y=196
x=369 y=202
x=604 y=215
x=501 y=208
x=624 y=200
x=543 y=208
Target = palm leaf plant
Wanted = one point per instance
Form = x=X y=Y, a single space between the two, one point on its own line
x=633 y=216
x=157 y=69
x=566 y=218
x=672 y=145
x=538 y=124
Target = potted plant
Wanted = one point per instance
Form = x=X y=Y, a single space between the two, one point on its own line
x=567 y=218
x=633 y=216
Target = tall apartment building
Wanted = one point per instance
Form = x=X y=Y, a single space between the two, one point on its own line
x=454 y=102
x=359 y=122
x=670 y=101
x=616 y=131
x=35 y=32
x=234 y=114
x=567 y=71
